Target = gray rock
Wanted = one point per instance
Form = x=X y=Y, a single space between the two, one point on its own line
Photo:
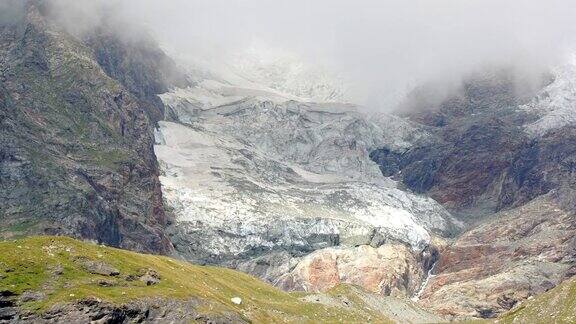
x=81 y=162
x=98 y=267
x=151 y=277
x=8 y=313
x=28 y=296
x=106 y=283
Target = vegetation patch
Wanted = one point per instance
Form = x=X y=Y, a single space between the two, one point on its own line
x=555 y=306
x=63 y=270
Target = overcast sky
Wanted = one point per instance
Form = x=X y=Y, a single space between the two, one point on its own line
x=380 y=46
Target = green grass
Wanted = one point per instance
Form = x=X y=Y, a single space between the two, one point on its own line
x=555 y=306
x=109 y=158
x=49 y=265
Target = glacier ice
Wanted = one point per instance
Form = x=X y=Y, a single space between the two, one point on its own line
x=254 y=172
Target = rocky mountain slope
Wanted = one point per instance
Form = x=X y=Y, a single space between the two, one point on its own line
x=485 y=153
x=518 y=253
x=557 y=305
x=77 y=114
x=502 y=161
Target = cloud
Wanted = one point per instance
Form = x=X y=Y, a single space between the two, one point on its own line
x=11 y=11
x=382 y=47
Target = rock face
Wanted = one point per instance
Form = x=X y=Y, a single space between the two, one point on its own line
x=76 y=134
x=491 y=147
x=149 y=310
x=389 y=270
x=502 y=161
x=259 y=179
x=477 y=142
x=519 y=253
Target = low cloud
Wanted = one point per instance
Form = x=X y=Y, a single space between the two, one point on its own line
x=383 y=48
x=11 y=11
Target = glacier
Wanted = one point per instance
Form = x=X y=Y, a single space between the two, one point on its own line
x=259 y=178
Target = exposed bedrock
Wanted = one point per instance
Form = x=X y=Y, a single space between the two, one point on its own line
x=496 y=148
x=76 y=134
x=504 y=164
x=518 y=253
x=390 y=269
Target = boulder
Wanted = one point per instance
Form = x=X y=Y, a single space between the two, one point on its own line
x=98 y=267
x=150 y=278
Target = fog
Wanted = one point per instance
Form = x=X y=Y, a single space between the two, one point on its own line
x=382 y=48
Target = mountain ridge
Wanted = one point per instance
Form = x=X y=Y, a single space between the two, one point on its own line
x=77 y=147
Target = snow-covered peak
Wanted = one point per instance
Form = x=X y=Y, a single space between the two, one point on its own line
x=288 y=73
x=556 y=103
x=257 y=74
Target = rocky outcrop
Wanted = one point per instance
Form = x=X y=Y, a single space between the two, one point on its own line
x=389 y=270
x=501 y=160
x=97 y=267
x=151 y=310
x=76 y=154
x=518 y=253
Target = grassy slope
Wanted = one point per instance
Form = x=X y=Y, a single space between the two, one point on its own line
x=48 y=264
x=555 y=306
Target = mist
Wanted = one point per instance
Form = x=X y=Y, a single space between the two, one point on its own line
x=382 y=48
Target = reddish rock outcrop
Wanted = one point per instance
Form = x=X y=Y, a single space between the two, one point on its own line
x=519 y=253
x=391 y=269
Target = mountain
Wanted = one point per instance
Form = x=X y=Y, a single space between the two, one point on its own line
x=462 y=206
x=501 y=160
x=77 y=115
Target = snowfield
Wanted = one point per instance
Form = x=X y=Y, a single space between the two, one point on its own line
x=555 y=106
x=252 y=172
